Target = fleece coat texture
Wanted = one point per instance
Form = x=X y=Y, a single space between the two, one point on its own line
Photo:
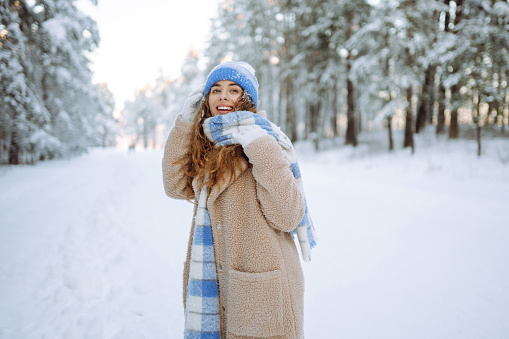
x=261 y=285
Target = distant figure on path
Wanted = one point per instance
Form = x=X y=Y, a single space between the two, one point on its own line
x=242 y=275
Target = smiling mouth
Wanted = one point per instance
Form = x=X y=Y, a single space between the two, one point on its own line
x=224 y=109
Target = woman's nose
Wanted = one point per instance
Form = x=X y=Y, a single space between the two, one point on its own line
x=224 y=95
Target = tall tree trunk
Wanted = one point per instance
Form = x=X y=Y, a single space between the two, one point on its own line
x=441 y=110
x=14 y=149
x=389 y=128
x=351 y=126
x=289 y=35
x=291 y=116
x=314 y=122
x=334 y=118
x=455 y=95
x=351 y=123
x=426 y=99
x=500 y=106
x=441 y=89
x=269 y=85
x=454 y=129
x=409 y=133
x=145 y=136
x=282 y=94
x=432 y=95
x=409 y=119
x=477 y=120
x=502 y=116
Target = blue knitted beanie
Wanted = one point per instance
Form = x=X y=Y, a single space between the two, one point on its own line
x=240 y=72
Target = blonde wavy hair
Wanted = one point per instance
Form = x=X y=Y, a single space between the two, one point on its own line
x=205 y=160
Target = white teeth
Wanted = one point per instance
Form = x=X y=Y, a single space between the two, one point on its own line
x=224 y=108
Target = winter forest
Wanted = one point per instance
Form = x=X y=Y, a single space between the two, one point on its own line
x=328 y=70
x=398 y=110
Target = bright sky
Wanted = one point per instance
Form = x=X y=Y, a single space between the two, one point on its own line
x=140 y=38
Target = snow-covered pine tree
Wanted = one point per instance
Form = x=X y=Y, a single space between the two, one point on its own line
x=428 y=21
x=355 y=14
x=396 y=41
x=488 y=55
x=451 y=77
x=417 y=41
x=474 y=60
x=67 y=35
x=24 y=120
x=320 y=26
x=105 y=125
x=50 y=106
x=374 y=71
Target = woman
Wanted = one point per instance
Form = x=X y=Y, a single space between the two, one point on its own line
x=242 y=276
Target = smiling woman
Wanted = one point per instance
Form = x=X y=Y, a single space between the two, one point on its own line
x=224 y=96
x=242 y=276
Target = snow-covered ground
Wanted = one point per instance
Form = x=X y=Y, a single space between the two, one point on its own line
x=409 y=246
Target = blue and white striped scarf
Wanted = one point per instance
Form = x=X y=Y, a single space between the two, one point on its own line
x=220 y=128
x=202 y=299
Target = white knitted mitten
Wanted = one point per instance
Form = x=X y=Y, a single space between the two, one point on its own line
x=244 y=135
x=191 y=104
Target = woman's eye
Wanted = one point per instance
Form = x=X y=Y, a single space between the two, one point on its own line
x=235 y=91
x=215 y=91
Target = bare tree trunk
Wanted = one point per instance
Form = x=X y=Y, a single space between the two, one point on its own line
x=14 y=149
x=441 y=89
x=409 y=119
x=502 y=116
x=455 y=95
x=441 y=110
x=269 y=94
x=351 y=128
x=291 y=116
x=282 y=93
x=334 y=118
x=500 y=106
x=425 y=105
x=351 y=124
x=314 y=117
x=389 y=128
x=288 y=34
x=432 y=95
x=409 y=133
x=477 y=120
x=454 y=129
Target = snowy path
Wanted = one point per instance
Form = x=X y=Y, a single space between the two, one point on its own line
x=92 y=248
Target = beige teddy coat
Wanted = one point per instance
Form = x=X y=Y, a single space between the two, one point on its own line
x=261 y=285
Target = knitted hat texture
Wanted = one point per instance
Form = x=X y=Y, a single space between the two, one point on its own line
x=239 y=72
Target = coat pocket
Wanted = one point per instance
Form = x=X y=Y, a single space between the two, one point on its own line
x=255 y=304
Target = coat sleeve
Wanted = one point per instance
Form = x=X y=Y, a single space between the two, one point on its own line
x=280 y=198
x=177 y=145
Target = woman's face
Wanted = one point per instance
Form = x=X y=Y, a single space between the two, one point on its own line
x=223 y=96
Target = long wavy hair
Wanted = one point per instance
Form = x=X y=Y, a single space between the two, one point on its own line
x=209 y=163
